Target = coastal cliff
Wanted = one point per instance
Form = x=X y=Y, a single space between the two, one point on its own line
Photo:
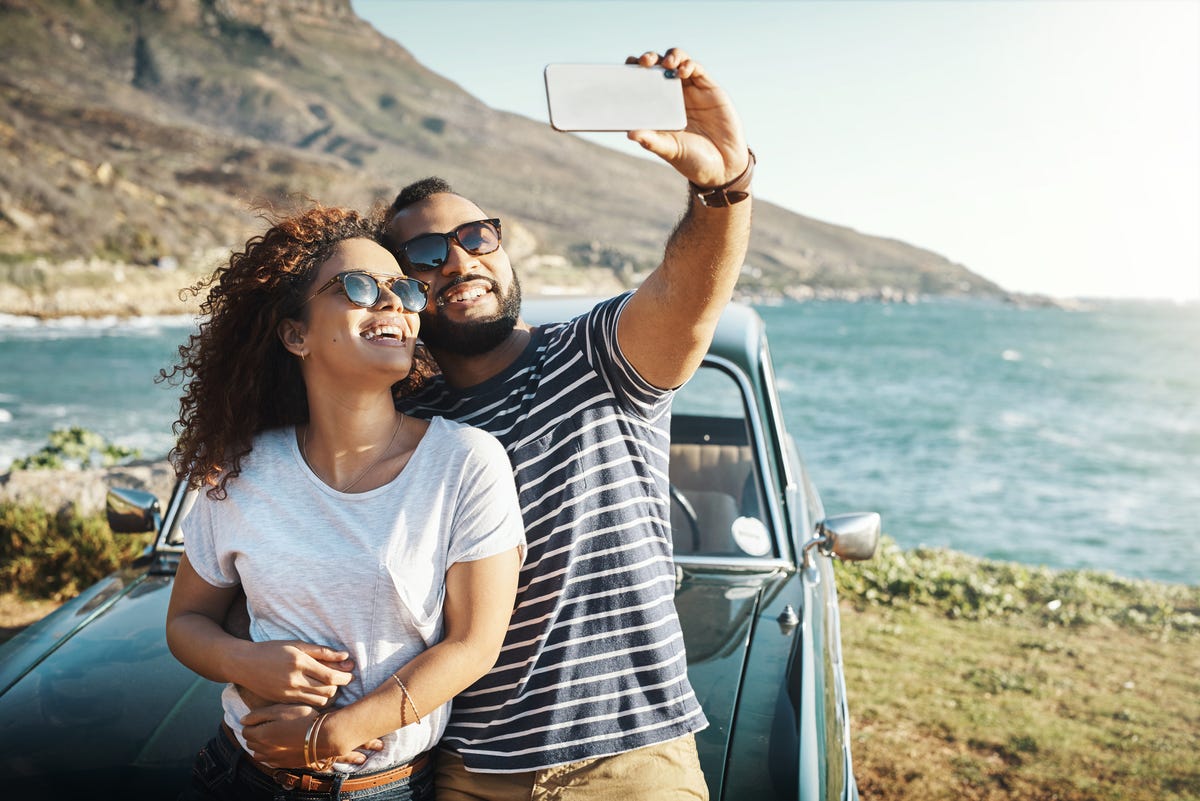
x=154 y=134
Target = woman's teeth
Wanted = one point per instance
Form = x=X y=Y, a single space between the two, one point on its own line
x=389 y=331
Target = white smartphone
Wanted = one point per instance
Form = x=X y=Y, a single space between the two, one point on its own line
x=614 y=97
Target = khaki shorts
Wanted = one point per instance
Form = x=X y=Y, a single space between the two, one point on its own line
x=669 y=770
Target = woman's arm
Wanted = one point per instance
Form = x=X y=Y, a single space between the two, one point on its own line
x=281 y=671
x=478 y=607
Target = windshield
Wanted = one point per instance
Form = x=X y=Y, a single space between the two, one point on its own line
x=717 y=506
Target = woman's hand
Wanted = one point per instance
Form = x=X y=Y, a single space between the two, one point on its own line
x=281 y=671
x=275 y=735
x=293 y=672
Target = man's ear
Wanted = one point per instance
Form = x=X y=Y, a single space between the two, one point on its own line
x=291 y=334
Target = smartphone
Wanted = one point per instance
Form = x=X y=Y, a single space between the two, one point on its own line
x=614 y=97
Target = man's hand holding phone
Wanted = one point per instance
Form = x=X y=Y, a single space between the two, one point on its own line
x=711 y=150
x=666 y=103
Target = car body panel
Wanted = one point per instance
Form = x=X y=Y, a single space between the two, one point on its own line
x=111 y=703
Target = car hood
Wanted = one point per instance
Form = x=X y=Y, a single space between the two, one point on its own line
x=116 y=710
x=113 y=707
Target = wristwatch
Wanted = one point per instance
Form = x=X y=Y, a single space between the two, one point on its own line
x=737 y=190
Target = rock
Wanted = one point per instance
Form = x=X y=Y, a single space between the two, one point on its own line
x=58 y=489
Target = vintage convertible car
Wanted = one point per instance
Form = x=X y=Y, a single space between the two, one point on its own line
x=92 y=701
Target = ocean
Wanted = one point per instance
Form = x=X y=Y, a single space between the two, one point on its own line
x=1066 y=438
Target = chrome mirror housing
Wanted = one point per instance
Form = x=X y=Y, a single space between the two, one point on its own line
x=852 y=537
x=131 y=511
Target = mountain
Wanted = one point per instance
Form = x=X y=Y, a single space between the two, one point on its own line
x=146 y=130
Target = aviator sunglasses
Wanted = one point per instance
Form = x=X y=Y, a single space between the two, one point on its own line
x=430 y=251
x=364 y=289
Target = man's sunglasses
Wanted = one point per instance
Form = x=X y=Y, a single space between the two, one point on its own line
x=364 y=289
x=430 y=251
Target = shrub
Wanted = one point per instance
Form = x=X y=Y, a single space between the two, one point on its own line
x=55 y=555
x=75 y=447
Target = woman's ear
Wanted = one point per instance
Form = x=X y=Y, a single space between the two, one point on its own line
x=291 y=334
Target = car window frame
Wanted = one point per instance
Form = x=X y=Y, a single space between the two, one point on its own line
x=770 y=493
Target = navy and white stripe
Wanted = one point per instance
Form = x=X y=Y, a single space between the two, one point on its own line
x=593 y=663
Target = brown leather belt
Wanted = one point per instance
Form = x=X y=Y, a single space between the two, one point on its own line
x=319 y=783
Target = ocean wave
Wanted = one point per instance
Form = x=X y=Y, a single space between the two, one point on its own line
x=92 y=326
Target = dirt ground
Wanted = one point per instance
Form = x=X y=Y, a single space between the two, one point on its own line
x=16 y=613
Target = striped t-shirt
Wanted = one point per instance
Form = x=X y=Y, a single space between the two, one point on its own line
x=593 y=663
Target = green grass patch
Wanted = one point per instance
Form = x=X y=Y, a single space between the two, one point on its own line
x=970 y=588
x=971 y=679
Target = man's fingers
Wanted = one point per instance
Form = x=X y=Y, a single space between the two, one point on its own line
x=317 y=697
x=659 y=143
x=255 y=718
x=319 y=674
x=673 y=59
x=321 y=652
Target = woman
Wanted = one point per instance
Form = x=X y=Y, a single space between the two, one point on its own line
x=391 y=543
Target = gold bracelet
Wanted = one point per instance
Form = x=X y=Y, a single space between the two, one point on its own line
x=308 y=738
x=324 y=764
x=408 y=698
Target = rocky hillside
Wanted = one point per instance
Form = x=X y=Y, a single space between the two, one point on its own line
x=156 y=131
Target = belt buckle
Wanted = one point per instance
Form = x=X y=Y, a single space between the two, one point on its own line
x=287 y=781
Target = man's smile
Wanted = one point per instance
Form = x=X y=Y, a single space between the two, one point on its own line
x=465 y=290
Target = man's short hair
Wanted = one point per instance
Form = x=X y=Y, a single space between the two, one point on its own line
x=413 y=193
x=418 y=191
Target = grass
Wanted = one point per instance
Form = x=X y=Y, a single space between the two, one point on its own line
x=1080 y=686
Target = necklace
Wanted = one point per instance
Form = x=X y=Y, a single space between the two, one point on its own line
x=370 y=467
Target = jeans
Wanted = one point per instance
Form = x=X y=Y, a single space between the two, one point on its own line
x=223 y=772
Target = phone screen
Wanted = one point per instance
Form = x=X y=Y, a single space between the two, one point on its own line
x=614 y=97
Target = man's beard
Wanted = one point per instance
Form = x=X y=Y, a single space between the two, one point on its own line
x=474 y=338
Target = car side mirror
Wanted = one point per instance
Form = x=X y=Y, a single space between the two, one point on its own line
x=852 y=537
x=131 y=511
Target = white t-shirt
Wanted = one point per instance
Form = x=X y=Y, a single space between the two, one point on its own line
x=364 y=572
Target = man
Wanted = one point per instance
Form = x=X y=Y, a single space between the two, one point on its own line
x=590 y=697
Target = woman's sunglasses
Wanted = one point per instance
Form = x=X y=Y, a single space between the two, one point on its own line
x=364 y=289
x=430 y=251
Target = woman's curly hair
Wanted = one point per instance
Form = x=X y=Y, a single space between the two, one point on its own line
x=240 y=380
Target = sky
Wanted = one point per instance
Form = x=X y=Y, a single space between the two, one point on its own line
x=1052 y=146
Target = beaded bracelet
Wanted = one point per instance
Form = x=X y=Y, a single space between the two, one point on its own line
x=407 y=697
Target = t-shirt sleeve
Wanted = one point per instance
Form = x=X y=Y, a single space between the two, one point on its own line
x=200 y=543
x=487 y=517
x=599 y=330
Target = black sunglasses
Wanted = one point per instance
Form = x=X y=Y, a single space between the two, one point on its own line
x=364 y=289
x=430 y=251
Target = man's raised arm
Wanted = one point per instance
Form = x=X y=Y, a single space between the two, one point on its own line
x=668 y=325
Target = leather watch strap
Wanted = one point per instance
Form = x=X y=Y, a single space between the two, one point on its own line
x=735 y=191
